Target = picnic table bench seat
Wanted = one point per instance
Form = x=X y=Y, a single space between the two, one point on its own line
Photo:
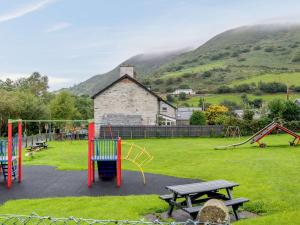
x=235 y=203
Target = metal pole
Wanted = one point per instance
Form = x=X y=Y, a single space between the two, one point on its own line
x=20 y=151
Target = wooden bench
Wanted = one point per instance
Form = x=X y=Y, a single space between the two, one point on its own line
x=234 y=203
x=166 y=198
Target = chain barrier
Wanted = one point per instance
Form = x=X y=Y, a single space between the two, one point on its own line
x=34 y=219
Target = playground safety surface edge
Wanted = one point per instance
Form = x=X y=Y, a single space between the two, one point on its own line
x=46 y=181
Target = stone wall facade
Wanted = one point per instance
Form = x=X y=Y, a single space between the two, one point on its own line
x=125 y=103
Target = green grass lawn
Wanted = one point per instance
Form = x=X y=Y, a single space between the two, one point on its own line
x=268 y=177
x=196 y=69
x=218 y=98
x=287 y=78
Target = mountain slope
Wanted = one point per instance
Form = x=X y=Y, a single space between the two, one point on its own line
x=145 y=65
x=234 y=55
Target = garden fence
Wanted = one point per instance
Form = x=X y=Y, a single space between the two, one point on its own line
x=128 y=132
x=35 y=219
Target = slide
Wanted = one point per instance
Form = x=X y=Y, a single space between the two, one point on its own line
x=257 y=136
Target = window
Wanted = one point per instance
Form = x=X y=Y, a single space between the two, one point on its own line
x=164 y=109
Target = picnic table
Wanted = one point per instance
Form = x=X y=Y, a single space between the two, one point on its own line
x=38 y=145
x=191 y=197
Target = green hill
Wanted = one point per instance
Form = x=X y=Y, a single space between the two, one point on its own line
x=234 y=56
x=145 y=65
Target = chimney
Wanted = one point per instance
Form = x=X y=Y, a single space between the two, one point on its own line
x=127 y=69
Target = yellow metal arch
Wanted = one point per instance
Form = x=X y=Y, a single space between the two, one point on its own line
x=138 y=156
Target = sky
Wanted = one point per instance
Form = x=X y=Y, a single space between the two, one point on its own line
x=72 y=40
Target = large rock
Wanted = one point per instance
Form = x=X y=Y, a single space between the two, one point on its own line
x=214 y=211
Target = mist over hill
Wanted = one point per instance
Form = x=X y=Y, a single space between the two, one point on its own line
x=234 y=55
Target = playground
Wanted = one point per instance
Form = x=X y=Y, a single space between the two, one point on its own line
x=264 y=176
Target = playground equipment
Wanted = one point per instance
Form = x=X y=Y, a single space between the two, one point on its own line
x=107 y=154
x=11 y=154
x=233 y=131
x=138 y=156
x=264 y=132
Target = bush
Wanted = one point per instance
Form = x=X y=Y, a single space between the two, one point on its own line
x=215 y=111
x=224 y=89
x=182 y=96
x=272 y=87
x=170 y=98
x=248 y=114
x=269 y=49
x=257 y=103
x=207 y=74
x=243 y=88
x=158 y=81
x=198 y=118
x=230 y=104
x=256 y=48
x=291 y=111
x=276 y=108
x=296 y=57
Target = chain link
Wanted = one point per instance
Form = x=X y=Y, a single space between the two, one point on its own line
x=34 y=219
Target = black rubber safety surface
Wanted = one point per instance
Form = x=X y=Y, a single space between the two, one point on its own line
x=46 y=181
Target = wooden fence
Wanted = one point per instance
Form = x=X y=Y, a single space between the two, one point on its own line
x=128 y=132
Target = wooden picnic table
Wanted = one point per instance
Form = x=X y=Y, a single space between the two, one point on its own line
x=191 y=196
x=38 y=145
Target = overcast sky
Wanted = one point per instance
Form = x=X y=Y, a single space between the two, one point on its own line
x=72 y=40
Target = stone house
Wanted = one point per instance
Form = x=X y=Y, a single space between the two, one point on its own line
x=128 y=102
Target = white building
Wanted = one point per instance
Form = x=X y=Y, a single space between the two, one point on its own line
x=186 y=91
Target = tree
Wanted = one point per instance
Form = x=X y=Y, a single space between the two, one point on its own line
x=248 y=114
x=257 y=103
x=296 y=57
x=84 y=106
x=214 y=111
x=35 y=83
x=291 y=111
x=198 y=118
x=276 y=108
x=63 y=106
x=170 y=98
x=182 y=96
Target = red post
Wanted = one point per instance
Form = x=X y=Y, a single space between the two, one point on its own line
x=119 y=163
x=20 y=151
x=92 y=151
x=9 y=155
x=89 y=156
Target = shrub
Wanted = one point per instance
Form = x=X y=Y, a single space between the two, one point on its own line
x=198 y=118
x=291 y=111
x=230 y=104
x=243 y=88
x=248 y=114
x=207 y=74
x=276 y=108
x=182 y=96
x=272 y=87
x=215 y=111
x=256 y=48
x=184 y=86
x=170 y=98
x=296 y=57
x=257 y=102
x=158 y=81
x=241 y=59
x=269 y=49
x=224 y=89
